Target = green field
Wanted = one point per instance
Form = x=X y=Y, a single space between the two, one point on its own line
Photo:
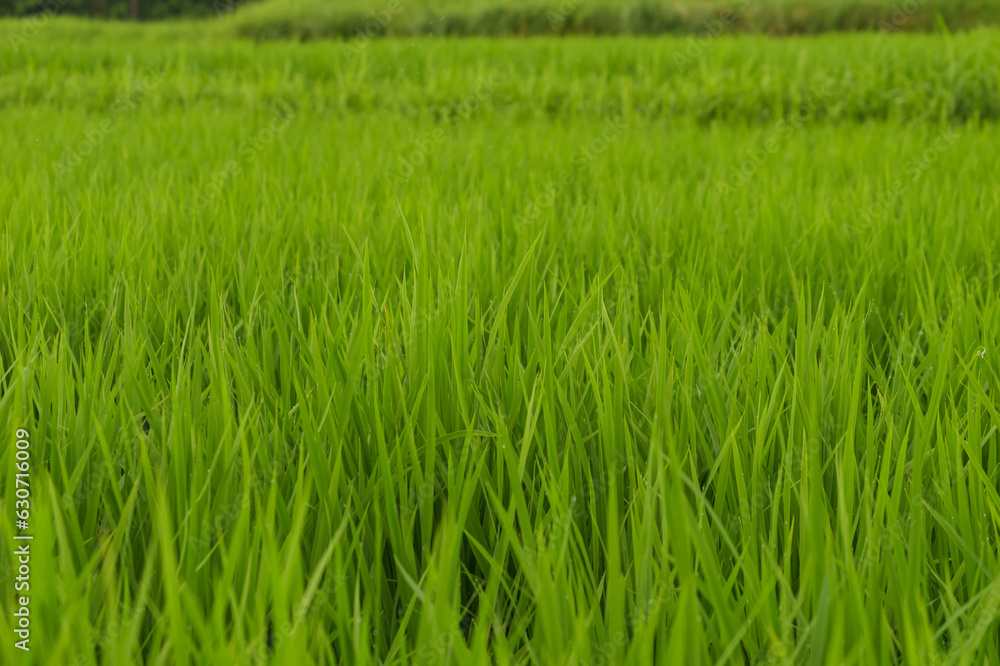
x=550 y=351
x=311 y=19
x=307 y=20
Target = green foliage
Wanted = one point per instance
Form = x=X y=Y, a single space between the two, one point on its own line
x=502 y=352
x=755 y=80
x=314 y=19
x=117 y=9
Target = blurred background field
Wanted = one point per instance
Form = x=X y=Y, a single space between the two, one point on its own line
x=308 y=19
x=314 y=19
x=747 y=79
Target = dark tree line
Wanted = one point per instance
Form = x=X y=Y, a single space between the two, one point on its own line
x=118 y=9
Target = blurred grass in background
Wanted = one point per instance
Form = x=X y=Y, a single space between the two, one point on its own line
x=315 y=19
x=343 y=19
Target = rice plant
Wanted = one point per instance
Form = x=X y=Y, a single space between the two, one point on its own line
x=502 y=352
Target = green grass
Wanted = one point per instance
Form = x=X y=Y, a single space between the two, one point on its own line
x=314 y=19
x=306 y=20
x=720 y=389
x=902 y=78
